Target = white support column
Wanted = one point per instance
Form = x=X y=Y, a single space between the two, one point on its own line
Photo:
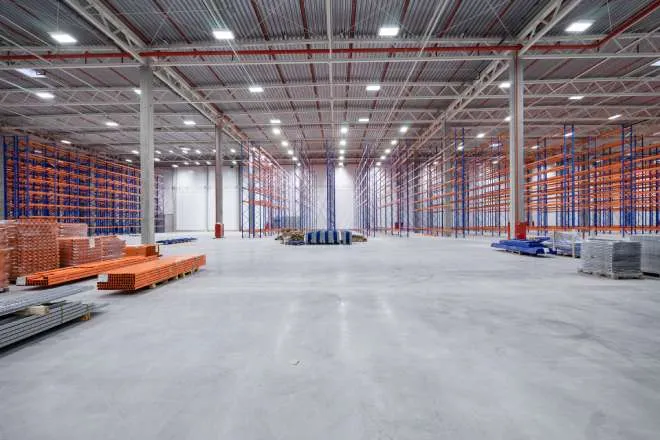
x=147 y=154
x=516 y=150
x=219 y=222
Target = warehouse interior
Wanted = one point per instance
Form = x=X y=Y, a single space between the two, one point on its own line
x=298 y=219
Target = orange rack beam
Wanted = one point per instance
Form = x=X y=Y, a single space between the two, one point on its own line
x=76 y=273
x=135 y=277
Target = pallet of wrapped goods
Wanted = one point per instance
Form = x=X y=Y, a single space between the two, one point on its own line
x=135 y=277
x=615 y=259
x=79 y=250
x=650 y=253
x=73 y=229
x=35 y=247
x=112 y=247
x=142 y=250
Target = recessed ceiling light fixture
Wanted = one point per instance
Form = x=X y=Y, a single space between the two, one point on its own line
x=579 y=26
x=111 y=124
x=223 y=34
x=576 y=98
x=63 y=38
x=388 y=31
x=256 y=89
x=45 y=95
x=32 y=73
x=613 y=117
x=189 y=122
x=64 y=141
x=373 y=88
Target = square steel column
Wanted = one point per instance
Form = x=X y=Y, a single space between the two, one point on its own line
x=147 y=179
x=219 y=224
x=517 y=226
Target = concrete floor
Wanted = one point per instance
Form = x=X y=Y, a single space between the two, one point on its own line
x=394 y=339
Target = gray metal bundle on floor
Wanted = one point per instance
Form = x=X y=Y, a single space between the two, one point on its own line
x=613 y=258
x=14 y=328
x=14 y=303
x=650 y=253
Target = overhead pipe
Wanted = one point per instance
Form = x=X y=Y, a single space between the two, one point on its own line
x=639 y=15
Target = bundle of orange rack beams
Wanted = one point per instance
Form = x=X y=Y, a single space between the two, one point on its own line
x=79 y=272
x=150 y=273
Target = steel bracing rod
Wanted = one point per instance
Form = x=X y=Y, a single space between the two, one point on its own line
x=18 y=302
x=105 y=21
x=543 y=22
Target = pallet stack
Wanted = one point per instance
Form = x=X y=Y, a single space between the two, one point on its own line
x=79 y=250
x=135 y=277
x=615 y=259
x=142 y=250
x=73 y=229
x=35 y=247
x=5 y=260
x=650 y=253
x=112 y=247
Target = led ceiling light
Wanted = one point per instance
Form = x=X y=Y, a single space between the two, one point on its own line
x=613 y=117
x=275 y=121
x=112 y=124
x=393 y=142
x=175 y=165
x=186 y=163
x=388 y=151
x=256 y=89
x=290 y=152
x=363 y=120
x=276 y=131
x=135 y=152
x=481 y=135
x=285 y=143
x=196 y=163
x=295 y=159
x=233 y=162
x=535 y=147
x=65 y=142
x=403 y=129
x=655 y=64
x=208 y=162
x=579 y=26
x=342 y=151
x=128 y=160
x=189 y=122
x=388 y=31
x=232 y=150
x=157 y=152
x=342 y=142
x=373 y=88
x=63 y=38
x=377 y=164
x=507 y=119
x=223 y=34
x=343 y=130
x=505 y=85
x=32 y=73
x=576 y=98
x=45 y=95
x=156 y=159
x=137 y=91
x=198 y=152
x=383 y=157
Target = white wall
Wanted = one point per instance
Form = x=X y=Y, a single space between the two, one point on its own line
x=344 y=206
x=190 y=200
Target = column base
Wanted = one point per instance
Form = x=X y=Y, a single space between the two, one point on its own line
x=219 y=230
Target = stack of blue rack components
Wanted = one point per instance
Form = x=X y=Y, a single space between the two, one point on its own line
x=329 y=237
x=176 y=240
x=524 y=247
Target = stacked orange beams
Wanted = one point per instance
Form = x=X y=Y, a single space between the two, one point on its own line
x=148 y=274
x=144 y=250
x=75 y=273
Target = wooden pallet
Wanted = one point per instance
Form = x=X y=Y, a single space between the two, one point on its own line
x=612 y=276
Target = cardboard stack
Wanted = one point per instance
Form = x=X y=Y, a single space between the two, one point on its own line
x=79 y=250
x=112 y=247
x=73 y=229
x=5 y=259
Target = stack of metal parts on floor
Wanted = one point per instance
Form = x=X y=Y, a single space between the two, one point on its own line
x=135 y=277
x=616 y=259
x=329 y=237
x=650 y=253
x=19 y=320
x=112 y=247
x=566 y=243
x=79 y=250
x=73 y=229
x=34 y=244
x=79 y=272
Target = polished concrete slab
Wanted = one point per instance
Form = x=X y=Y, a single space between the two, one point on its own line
x=397 y=338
